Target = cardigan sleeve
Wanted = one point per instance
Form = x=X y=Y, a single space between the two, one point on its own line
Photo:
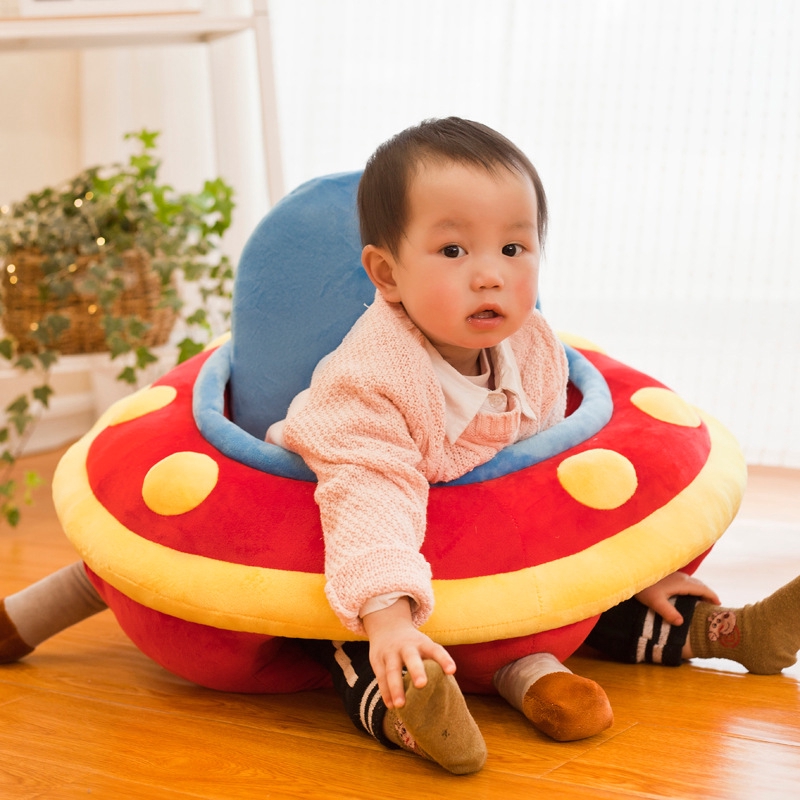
x=371 y=493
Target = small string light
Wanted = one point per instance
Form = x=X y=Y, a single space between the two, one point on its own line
x=4 y=209
x=89 y=195
x=78 y=202
x=11 y=269
x=100 y=241
x=12 y=280
x=34 y=326
x=92 y=309
x=72 y=268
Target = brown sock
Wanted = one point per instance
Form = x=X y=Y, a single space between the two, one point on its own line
x=560 y=704
x=764 y=637
x=12 y=648
x=435 y=723
x=567 y=707
x=50 y=605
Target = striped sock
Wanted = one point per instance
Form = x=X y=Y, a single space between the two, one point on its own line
x=634 y=634
x=355 y=682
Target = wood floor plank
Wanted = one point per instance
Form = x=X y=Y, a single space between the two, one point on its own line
x=88 y=715
x=222 y=759
x=689 y=764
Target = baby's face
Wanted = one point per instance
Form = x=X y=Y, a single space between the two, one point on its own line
x=467 y=268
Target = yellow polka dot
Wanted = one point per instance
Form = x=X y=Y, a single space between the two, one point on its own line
x=598 y=478
x=179 y=483
x=142 y=403
x=666 y=406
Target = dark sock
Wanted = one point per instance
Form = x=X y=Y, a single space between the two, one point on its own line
x=354 y=681
x=12 y=648
x=633 y=633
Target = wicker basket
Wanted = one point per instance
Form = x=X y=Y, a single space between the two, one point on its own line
x=24 y=308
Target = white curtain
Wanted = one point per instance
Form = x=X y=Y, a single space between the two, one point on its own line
x=668 y=138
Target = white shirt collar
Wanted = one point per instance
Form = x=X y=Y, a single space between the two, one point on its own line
x=463 y=399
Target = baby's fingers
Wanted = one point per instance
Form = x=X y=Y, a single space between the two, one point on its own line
x=438 y=654
x=390 y=684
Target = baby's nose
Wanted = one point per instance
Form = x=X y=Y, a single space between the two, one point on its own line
x=488 y=277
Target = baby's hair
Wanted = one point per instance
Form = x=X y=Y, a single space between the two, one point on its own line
x=383 y=189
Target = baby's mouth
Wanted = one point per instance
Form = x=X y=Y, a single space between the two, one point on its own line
x=488 y=314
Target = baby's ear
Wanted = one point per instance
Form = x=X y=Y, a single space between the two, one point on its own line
x=380 y=266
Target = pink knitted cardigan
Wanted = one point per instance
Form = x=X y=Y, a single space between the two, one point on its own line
x=373 y=432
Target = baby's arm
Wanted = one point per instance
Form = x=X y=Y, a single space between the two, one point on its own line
x=656 y=597
x=395 y=642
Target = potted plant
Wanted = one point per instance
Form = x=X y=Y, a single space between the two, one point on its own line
x=103 y=263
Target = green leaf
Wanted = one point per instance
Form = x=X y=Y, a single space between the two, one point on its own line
x=128 y=375
x=7 y=349
x=25 y=363
x=11 y=513
x=47 y=358
x=146 y=137
x=188 y=348
x=18 y=406
x=42 y=394
x=144 y=356
x=198 y=318
x=33 y=480
x=117 y=346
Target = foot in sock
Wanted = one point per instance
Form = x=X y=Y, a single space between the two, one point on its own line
x=12 y=648
x=29 y=617
x=763 y=637
x=560 y=704
x=567 y=707
x=435 y=723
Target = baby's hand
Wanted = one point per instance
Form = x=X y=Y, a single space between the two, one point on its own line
x=656 y=597
x=395 y=643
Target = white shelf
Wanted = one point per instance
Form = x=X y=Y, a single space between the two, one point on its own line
x=36 y=34
x=73 y=33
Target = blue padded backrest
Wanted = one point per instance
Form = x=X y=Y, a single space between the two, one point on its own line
x=299 y=288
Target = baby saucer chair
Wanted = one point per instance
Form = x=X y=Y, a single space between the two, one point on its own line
x=205 y=541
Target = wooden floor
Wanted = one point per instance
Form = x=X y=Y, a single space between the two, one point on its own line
x=87 y=715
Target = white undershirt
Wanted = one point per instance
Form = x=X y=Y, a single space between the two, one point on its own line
x=465 y=396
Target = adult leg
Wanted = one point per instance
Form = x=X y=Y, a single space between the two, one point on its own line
x=45 y=608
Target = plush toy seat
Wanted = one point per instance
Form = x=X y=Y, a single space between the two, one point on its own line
x=206 y=543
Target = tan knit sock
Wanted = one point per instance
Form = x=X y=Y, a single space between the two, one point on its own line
x=46 y=607
x=764 y=637
x=435 y=723
x=563 y=706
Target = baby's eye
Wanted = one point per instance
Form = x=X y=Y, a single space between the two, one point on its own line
x=512 y=250
x=452 y=251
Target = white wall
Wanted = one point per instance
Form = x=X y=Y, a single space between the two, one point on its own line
x=39 y=138
x=667 y=135
x=668 y=139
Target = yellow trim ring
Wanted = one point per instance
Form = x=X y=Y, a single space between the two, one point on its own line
x=260 y=600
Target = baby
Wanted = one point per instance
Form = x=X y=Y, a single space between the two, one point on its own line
x=451 y=363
